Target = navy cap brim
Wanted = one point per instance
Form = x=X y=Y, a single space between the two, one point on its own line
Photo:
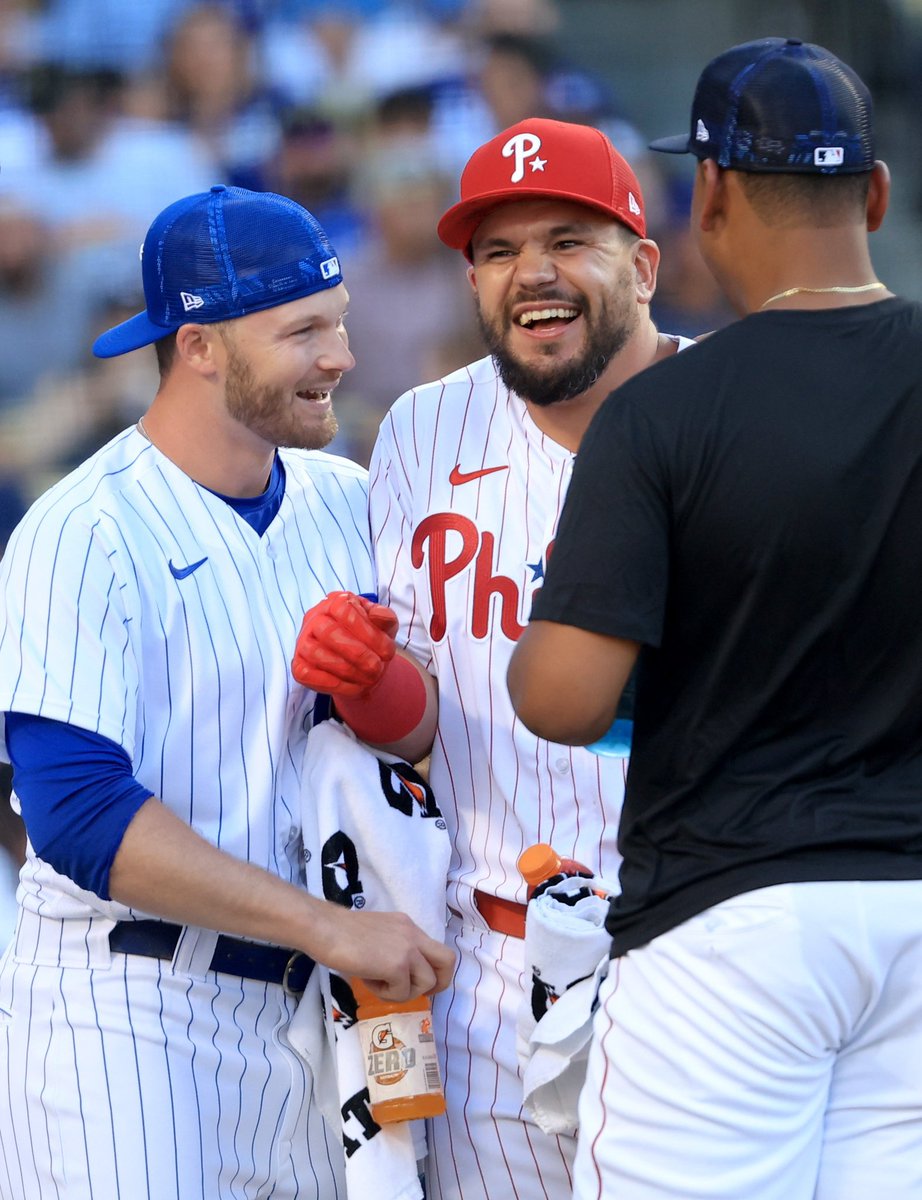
x=132 y=334
x=678 y=144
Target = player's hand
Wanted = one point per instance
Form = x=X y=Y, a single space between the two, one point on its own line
x=388 y=952
x=344 y=645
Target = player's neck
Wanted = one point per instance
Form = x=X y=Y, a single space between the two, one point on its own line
x=230 y=461
x=805 y=268
x=567 y=422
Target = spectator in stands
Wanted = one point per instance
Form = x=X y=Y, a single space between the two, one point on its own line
x=408 y=293
x=41 y=290
x=99 y=179
x=512 y=76
x=346 y=54
x=122 y=35
x=217 y=93
x=314 y=165
x=688 y=299
x=530 y=18
x=71 y=413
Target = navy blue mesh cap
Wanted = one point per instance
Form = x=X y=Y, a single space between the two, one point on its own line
x=222 y=254
x=779 y=104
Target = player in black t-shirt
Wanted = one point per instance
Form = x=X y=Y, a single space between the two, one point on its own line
x=747 y=518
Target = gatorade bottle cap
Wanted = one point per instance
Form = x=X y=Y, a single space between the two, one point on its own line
x=538 y=862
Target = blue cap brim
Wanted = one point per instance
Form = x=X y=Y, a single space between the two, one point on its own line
x=672 y=145
x=130 y=335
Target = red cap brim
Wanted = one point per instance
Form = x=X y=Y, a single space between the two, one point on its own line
x=459 y=224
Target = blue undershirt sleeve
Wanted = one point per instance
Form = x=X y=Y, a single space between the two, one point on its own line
x=78 y=796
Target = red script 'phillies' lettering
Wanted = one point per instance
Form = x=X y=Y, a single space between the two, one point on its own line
x=430 y=545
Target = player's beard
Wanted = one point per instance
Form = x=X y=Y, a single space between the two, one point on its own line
x=269 y=412
x=608 y=329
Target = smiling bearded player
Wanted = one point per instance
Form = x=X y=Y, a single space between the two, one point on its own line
x=148 y=605
x=467 y=480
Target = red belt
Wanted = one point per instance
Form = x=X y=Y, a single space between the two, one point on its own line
x=503 y=916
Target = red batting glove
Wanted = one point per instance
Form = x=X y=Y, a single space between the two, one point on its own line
x=344 y=645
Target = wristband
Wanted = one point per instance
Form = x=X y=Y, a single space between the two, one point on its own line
x=391 y=709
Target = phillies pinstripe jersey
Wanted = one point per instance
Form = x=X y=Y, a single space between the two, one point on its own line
x=465 y=496
x=140 y=606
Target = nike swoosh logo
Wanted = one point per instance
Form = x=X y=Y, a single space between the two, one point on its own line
x=182 y=572
x=458 y=476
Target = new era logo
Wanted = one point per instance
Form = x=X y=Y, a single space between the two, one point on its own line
x=191 y=301
x=828 y=156
x=329 y=268
x=632 y=204
x=701 y=132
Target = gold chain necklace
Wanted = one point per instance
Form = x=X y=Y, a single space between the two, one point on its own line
x=143 y=431
x=864 y=287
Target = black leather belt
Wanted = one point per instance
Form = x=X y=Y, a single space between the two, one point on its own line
x=250 y=960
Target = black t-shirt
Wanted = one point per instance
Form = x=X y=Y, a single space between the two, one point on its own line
x=751 y=511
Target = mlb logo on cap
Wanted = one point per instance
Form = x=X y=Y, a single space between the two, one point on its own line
x=544 y=159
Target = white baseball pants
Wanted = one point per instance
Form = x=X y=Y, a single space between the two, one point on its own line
x=770 y=1048
x=131 y=1080
x=483 y=1148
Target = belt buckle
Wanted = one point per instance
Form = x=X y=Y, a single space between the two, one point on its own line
x=297 y=993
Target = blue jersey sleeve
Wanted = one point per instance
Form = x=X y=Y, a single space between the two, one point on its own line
x=78 y=796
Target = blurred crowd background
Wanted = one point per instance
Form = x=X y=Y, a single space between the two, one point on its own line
x=364 y=111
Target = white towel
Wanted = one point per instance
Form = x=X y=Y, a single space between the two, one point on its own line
x=566 y=957
x=374 y=837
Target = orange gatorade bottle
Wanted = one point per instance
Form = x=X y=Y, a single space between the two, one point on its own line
x=401 y=1064
x=541 y=862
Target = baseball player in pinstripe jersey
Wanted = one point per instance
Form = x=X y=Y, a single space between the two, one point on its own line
x=150 y=605
x=467 y=481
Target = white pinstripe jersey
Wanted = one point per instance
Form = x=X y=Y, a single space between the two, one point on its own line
x=465 y=496
x=140 y=606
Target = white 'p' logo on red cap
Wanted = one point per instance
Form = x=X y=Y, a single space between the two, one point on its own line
x=521 y=148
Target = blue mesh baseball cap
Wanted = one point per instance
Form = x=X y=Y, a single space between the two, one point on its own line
x=222 y=254
x=779 y=104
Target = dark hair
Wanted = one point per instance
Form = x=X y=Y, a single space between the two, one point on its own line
x=537 y=52
x=166 y=352
x=784 y=200
x=50 y=85
x=406 y=104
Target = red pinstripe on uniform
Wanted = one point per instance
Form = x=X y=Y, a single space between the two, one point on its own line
x=471 y=554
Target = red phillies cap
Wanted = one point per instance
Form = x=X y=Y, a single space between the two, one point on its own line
x=537 y=159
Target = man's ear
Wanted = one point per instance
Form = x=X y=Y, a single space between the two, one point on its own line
x=646 y=264
x=472 y=279
x=197 y=346
x=878 y=195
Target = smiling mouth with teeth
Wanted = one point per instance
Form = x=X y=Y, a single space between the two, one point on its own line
x=535 y=316
x=313 y=395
